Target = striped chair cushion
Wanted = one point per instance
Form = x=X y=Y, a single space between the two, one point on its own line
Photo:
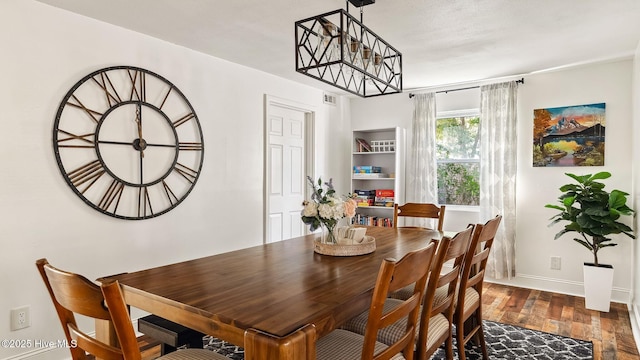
x=437 y=325
x=386 y=335
x=344 y=345
x=193 y=354
x=441 y=294
x=402 y=294
x=471 y=298
x=406 y=292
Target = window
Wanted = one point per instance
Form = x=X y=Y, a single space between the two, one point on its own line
x=458 y=157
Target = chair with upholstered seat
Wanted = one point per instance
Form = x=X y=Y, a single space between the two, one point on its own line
x=436 y=314
x=413 y=268
x=73 y=294
x=436 y=318
x=419 y=210
x=468 y=314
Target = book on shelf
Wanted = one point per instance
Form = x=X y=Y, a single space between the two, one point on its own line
x=365 y=193
x=385 y=193
x=362 y=145
x=370 y=176
x=366 y=169
x=364 y=202
x=384 y=201
x=366 y=220
x=365 y=197
x=384 y=222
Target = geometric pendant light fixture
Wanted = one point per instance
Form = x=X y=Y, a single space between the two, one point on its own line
x=340 y=50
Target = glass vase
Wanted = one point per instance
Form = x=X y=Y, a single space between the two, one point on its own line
x=329 y=235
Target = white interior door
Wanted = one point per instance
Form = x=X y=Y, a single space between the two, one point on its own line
x=285 y=171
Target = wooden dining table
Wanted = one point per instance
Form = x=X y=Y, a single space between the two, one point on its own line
x=274 y=300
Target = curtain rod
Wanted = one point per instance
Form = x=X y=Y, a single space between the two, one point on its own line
x=521 y=81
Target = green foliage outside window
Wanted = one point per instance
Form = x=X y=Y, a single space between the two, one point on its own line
x=458 y=138
x=457 y=151
x=458 y=183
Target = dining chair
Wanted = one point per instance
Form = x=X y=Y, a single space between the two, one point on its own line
x=73 y=294
x=468 y=314
x=419 y=210
x=436 y=318
x=413 y=268
x=436 y=315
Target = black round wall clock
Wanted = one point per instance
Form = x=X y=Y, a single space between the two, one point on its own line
x=128 y=142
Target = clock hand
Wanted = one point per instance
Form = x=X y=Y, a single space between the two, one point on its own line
x=141 y=167
x=141 y=142
x=139 y=129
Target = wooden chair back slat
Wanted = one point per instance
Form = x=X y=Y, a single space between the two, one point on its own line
x=419 y=210
x=77 y=294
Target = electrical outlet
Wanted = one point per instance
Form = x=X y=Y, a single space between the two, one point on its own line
x=556 y=262
x=20 y=318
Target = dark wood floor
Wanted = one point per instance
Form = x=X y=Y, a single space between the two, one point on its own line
x=549 y=312
x=563 y=315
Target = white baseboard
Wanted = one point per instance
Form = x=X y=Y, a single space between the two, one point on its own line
x=42 y=354
x=53 y=353
x=567 y=287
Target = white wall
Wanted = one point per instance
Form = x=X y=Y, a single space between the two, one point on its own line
x=635 y=99
x=44 y=52
x=609 y=83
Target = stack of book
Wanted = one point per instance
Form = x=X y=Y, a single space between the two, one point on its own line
x=367 y=220
x=384 y=197
x=362 y=145
x=368 y=171
x=365 y=197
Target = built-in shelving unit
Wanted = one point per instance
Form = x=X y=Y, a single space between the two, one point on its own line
x=377 y=168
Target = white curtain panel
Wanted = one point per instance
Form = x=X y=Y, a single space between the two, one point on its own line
x=498 y=140
x=422 y=185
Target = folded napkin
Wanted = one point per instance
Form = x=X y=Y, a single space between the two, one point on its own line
x=351 y=235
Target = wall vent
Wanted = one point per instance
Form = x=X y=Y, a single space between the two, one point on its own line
x=329 y=99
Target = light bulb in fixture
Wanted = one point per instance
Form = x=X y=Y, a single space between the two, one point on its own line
x=325 y=48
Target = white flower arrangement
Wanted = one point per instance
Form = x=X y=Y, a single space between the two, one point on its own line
x=325 y=208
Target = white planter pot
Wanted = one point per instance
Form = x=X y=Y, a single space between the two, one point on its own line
x=598 y=282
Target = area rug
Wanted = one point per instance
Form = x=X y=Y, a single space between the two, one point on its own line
x=503 y=342
x=514 y=342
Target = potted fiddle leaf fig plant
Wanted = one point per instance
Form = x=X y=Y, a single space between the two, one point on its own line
x=593 y=213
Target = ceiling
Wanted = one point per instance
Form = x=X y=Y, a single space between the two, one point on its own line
x=443 y=42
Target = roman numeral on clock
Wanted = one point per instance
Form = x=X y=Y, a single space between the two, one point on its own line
x=93 y=114
x=138 y=85
x=84 y=140
x=184 y=119
x=113 y=193
x=144 y=202
x=190 y=146
x=186 y=172
x=170 y=195
x=87 y=175
x=110 y=93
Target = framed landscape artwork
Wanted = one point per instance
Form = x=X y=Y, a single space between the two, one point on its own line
x=569 y=136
